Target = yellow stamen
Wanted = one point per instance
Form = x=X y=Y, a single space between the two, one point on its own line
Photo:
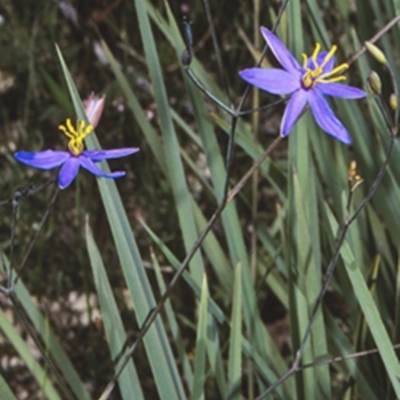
x=332 y=51
x=332 y=80
x=336 y=70
x=75 y=135
x=315 y=54
x=324 y=78
x=313 y=76
x=305 y=58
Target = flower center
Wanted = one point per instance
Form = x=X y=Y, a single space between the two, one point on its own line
x=315 y=74
x=75 y=135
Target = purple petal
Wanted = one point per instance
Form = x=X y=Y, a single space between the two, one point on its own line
x=320 y=59
x=46 y=159
x=275 y=81
x=100 y=155
x=293 y=109
x=326 y=119
x=68 y=172
x=88 y=164
x=340 y=90
x=280 y=51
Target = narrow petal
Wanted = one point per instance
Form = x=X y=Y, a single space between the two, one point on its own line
x=68 y=172
x=280 y=51
x=100 y=155
x=326 y=119
x=340 y=90
x=275 y=81
x=47 y=159
x=88 y=164
x=293 y=109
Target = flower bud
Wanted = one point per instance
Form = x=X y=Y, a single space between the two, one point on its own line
x=376 y=52
x=352 y=170
x=393 y=101
x=94 y=107
x=374 y=82
x=355 y=180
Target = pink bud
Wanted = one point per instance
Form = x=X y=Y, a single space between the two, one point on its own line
x=94 y=107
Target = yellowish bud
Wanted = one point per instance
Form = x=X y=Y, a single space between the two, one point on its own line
x=376 y=52
x=374 y=82
x=393 y=101
x=352 y=169
x=354 y=179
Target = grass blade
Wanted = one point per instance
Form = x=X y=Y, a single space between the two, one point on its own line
x=369 y=310
x=171 y=146
x=235 y=349
x=55 y=350
x=40 y=374
x=200 y=357
x=116 y=338
x=5 y=391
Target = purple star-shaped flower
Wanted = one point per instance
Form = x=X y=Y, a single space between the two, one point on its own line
x=70 y=161
x=306 y=84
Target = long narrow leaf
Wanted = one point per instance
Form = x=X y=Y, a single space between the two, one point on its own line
x=115 y=333
x=173 y=324
x=235 y=350
x=369 y=310
x=200 y=357
x=40 y=374
x=55 y=350
x=171 y=145
x=5 y=391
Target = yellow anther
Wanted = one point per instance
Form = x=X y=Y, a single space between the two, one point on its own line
x=354 y=179
x=336 y=70
x=352 y=170
x=305 y=58
x=315 y=54
x=75 y=135
x=313 y=76
x=332 y=51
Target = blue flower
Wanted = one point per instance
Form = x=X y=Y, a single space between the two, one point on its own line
x=307 y=84
x=76 y=157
